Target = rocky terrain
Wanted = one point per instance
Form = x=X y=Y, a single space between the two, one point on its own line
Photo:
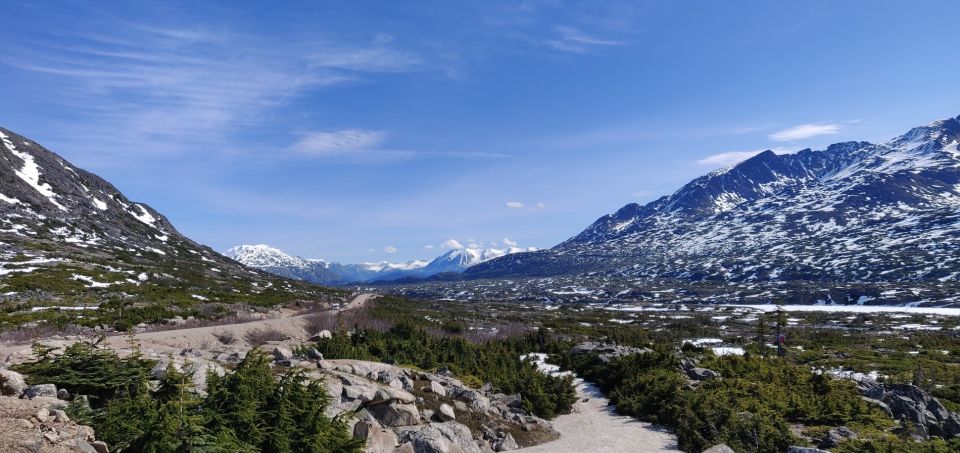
x=855 y=212
x=396 y=409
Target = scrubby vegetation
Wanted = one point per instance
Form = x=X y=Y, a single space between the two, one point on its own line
x=497 y=362
x=246 y=410
x=750 y=409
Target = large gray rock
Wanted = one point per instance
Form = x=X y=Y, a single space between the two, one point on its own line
x=447 y=412
x=13 y=383
x=506 y=443
x=282 y=353
x=721 y=448
x=438 y=388
x=321 y=335
x=447 y=437
x=702 y=374
x=40 y=390
x=806 y=450
x=835 y=436
x=198 y=372
x=395 y=414
x=379 y=440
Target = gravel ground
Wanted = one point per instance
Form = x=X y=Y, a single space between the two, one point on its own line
x=594 y=427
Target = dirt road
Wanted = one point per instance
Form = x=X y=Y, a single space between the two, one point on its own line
x=594 y=427
x=173 y=341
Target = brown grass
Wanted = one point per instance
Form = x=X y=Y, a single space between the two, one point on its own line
x=257 y=337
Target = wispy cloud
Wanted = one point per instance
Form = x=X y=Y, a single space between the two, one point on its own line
x=145 y=89
x=509 y=243
x=514 y=205
x=390 y=249
x=569 y=39
x=805 y=131
x=338 y=142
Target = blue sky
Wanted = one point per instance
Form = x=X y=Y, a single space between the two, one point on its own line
x=361 y=131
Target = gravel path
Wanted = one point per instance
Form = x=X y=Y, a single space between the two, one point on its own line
x=593 y=427
x=172 y=341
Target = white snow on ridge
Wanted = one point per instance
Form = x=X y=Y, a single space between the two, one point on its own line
x=145 y=217
x=30 y=172
x=7 y=199
x=100 y=204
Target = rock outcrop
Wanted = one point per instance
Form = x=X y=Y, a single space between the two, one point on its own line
x=910 y=403
x=40 y=424
x=403 y=410
x=607 y=351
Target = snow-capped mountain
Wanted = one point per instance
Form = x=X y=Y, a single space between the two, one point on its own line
x=855 y=211
x=64 y=230
x=276 y=261
x=458 y=260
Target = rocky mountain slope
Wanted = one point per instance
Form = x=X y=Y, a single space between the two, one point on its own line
x=68 y=237
x=854 y=212
x=278 y=262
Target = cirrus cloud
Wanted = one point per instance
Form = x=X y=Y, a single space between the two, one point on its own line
x=804 y=131
x=344 y=141
x=390 y=249
x=514 y=205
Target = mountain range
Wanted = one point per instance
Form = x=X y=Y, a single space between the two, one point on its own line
x=853 y=212
x=68 y=237
x=276 y=261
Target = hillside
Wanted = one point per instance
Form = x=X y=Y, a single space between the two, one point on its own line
x=70 y=238
x=854 y=212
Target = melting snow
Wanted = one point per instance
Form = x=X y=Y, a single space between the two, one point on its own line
x=31 y=172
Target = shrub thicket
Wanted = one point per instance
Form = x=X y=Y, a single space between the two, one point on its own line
x=497 y=362
x=750 y=409
x=246 y=410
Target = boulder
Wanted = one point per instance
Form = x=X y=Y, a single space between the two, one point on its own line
x=438 y=388
x=805 y=450
x=63 y=394
x=314 y=354
x=282 y=353
x=447 y=437
x=159 y=370
x=446 y=412
x=719 y=448
x=323 y=334
x=198 y=374
x=13 y=383
x=379 y=440
x=60 y=416
x=835 y=436
x=702 y=374
x=41 y=390
x=395 y=414
x=100 y=446
x=505 y=443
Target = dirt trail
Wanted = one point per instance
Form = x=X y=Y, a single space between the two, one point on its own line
x=594 y=427
x=197 y=337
